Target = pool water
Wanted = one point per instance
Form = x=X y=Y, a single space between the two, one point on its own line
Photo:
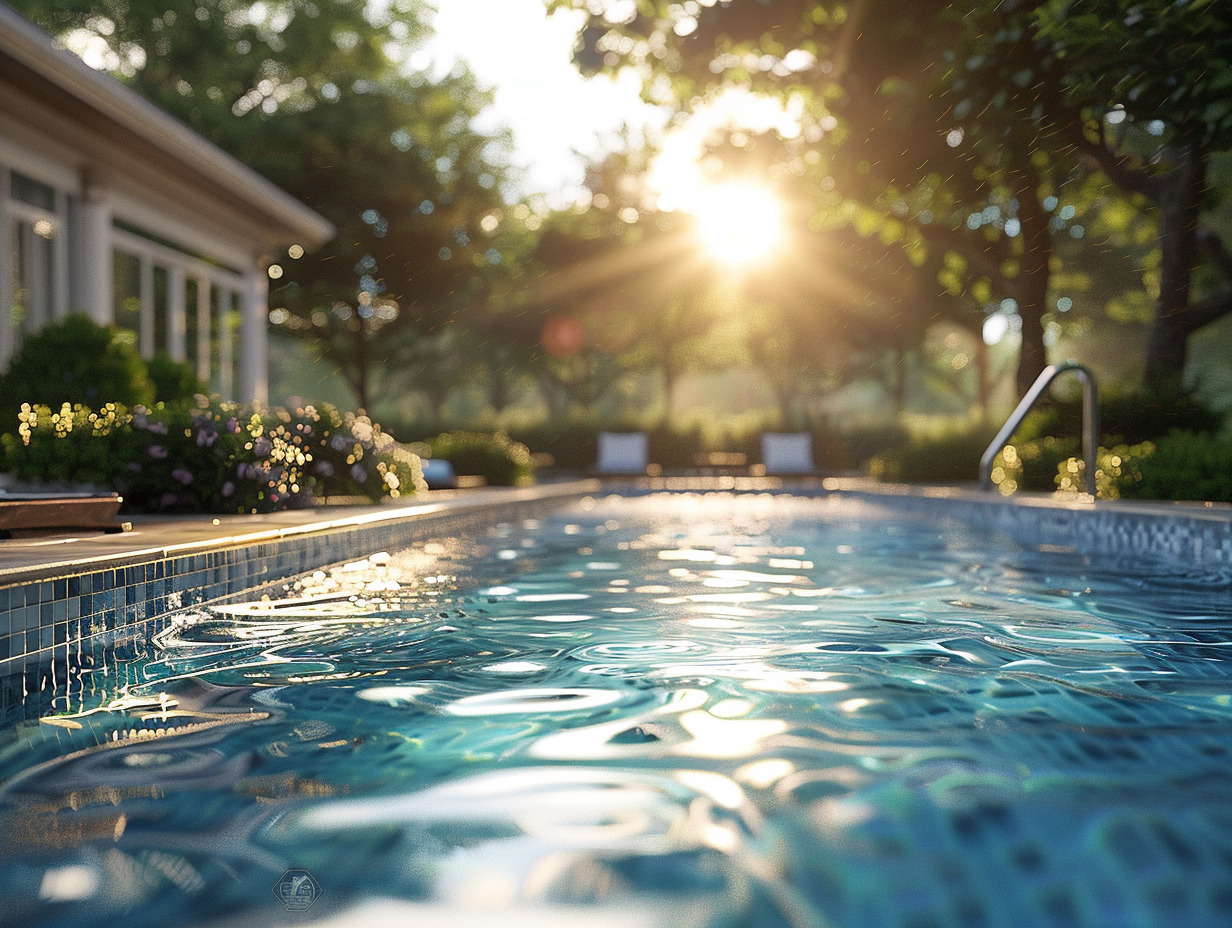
x=695 y=710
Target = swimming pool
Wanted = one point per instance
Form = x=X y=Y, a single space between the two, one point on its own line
x=683 y=709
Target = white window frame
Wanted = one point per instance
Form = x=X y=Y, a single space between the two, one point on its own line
x=19 y=218
x=217 y=306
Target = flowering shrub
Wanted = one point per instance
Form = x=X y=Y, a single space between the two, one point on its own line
x=351 y=455
x=211 y=456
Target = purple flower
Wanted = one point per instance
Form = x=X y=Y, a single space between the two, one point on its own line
x=228 y=489
x=232 y=425
x=325 y=469
x=262 y=447
x=158 y=452
x=134 y=467
x=182 y=476
x=358 y=474
x=167 y=500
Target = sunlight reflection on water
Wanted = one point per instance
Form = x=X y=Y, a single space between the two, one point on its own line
x=754 y=709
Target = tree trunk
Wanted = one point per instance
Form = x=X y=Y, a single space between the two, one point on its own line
x=899 y=381
x=670 y=376
x=1180 y=204
x=983 y=383
x=498 y=390
x=555 y=395
x=360 y=380
x=1032 y=289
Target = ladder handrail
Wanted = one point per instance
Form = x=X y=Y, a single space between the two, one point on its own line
x=1090 y=420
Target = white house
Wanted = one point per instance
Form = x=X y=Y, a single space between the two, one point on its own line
x=110 y=207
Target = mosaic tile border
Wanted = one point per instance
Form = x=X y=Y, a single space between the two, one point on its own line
x=1190 y=533
x=51 y=628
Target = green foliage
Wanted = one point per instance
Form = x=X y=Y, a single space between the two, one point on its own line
x=1126 y=418
x=1182 y=466
x=569 y=445
x=864 y=444
x=494 y=456
x=949 y=458
x=210 y=456
x=69 y=444
x=74 y=361
x=174 y=381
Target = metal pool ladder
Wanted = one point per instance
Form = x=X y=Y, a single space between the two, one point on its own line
x=1090 y=420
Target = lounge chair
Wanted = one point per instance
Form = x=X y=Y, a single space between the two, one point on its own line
x=787 y=453
x=622 y=453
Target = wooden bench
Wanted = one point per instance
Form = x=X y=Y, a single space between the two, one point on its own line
x=32 y=514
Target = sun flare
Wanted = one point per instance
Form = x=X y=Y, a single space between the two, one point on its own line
x=738 y=223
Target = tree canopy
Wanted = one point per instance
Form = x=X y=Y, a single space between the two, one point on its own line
x=320 y=97
x=957 y=129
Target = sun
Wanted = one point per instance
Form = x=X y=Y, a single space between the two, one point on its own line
x=738 y=223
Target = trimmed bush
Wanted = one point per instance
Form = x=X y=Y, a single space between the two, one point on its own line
x=496 y=457
x=174 y=381
x=952 y=458
x=1127 y=418
x=74 y=361
x=1183 y=466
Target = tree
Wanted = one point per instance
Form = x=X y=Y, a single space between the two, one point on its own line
x=953 y=127
x=318 y=96
x=625 y=282
x=1148 y=86
x=877 y=105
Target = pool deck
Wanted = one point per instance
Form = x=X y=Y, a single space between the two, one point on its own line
x=150 y=537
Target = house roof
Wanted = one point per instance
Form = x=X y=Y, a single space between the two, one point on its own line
x=34 y=61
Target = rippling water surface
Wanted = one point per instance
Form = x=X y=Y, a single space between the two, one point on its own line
x=672 y=709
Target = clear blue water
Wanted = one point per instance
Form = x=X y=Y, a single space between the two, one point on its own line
x=670 y=709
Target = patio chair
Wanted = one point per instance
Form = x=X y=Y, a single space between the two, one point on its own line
x=622 y=453
x=787 y=453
